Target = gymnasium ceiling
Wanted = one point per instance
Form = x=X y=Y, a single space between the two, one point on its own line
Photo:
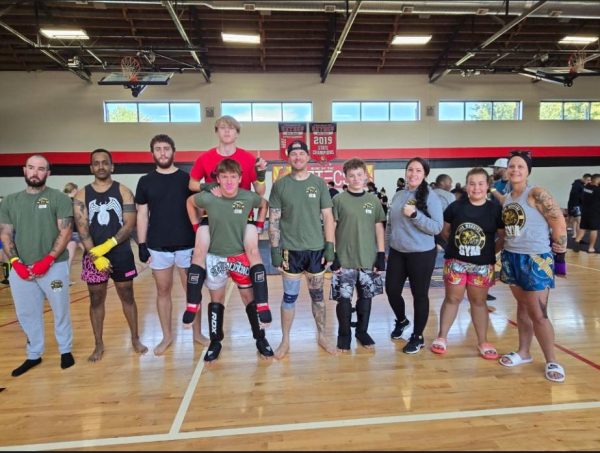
x=316 y=37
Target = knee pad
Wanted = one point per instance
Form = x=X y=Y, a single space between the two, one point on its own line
x=216 y=313
x=195 y=280
x=258 y=275
x=291 y=289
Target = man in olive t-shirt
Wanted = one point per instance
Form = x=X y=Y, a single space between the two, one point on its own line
x=299 y=243
x=226 y=257
x=359 y=255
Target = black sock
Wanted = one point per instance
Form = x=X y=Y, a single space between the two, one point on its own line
x=66 y=360
x=26 y=366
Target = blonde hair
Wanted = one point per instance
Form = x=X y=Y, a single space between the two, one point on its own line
x=70 y=187
x=229 y=121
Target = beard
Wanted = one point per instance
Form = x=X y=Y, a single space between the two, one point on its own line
x=35 y=184
x=164 y=165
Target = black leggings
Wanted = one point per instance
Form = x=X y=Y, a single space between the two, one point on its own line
x=417 y=267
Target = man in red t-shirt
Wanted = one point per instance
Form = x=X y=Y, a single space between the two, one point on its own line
x=227 y=129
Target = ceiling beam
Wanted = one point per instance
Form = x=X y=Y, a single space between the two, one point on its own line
x=340 y=43
x=181 y=30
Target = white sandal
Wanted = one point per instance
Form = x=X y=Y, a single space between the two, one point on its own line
x=554 y=368
x=515 y=359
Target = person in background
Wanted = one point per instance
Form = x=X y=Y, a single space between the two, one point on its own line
x=501 y=184
x=574 y=203
x=400 y=184
x=332 y=190
x=415 y=217
x=443 y=186
x=590 y=214
x=71 y=190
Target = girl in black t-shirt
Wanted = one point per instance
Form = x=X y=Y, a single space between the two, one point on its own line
x=470 y=227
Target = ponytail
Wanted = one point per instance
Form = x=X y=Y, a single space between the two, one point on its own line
x=421 y=196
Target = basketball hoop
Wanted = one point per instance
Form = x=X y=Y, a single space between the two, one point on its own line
x=130 y=67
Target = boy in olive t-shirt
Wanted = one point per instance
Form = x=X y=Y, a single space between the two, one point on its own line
x=359 y=255
x=226 y=257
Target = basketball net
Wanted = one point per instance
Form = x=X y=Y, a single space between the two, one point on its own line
x=130 y=67
x=576 y=62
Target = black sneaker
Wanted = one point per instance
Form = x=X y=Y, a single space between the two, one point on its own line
x=490 y=297
x=400 y=326
x=264 y=348
x=414 y=345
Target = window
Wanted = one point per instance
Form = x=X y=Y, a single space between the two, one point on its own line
x=268 y=111
x=570 y=110
x=374 y=111
x=480 y=110
x=151 y=112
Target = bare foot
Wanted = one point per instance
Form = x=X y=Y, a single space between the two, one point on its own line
x=282 y=350
x=201 y=339
x=343 y=351
x=97 y=354
x=331 y=349
x=138 y=346
x=162 y=346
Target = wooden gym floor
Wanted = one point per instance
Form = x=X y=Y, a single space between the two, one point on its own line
x=308 y=401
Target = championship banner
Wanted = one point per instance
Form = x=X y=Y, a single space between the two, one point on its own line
x=288 y=133
x=323 y=145
x=328 y=172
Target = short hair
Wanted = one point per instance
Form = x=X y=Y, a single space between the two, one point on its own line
x=70 y=187
x=354 y=164
x=230 y=121
x=441 y=178
x=595 y=176
x=478 y=171
x=331 y=184
x=587 y=175
x=228 y=166
x=101 y=150
x=41 y=157
x=161 y=138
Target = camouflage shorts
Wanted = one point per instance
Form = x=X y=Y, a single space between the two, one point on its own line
x=368 y=283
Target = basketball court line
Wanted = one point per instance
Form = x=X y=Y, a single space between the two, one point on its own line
x=585 y=267
x=330 y=424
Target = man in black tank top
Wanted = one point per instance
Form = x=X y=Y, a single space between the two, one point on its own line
x=105 y=216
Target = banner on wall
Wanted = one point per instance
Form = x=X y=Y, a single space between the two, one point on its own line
x=288 y=133
x=329 y=172
x=323 y=144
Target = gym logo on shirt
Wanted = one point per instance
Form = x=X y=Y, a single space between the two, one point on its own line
x=238 y=207
x=469 y=239
x=368 y=207
x=56 y=285
x=42 y=203
x=513 y=216
x=311 y=192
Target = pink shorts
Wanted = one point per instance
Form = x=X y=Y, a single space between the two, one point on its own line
x=458 y=272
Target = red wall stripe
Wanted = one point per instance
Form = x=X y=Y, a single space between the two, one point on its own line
x=137 y=157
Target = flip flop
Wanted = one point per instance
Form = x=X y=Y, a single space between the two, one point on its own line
x=515 y=359
x=439 y=346
x=553 y=367
x=488 y=351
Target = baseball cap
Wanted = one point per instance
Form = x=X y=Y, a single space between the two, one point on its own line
x=501 y=163
x=296 y=145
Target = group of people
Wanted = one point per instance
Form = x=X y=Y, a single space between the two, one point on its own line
x=584 y=210
x=203 y=225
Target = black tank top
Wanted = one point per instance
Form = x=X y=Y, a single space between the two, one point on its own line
x=105 y=214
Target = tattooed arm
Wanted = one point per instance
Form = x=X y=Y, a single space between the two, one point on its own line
x=82 y=220
x=129 y=215
x=274 y=231
x=65 y=228
x=6 y=236
x=546 y=204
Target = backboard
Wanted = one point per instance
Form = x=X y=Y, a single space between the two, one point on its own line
x=143 y=78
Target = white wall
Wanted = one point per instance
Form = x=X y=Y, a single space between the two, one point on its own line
x=56 y=111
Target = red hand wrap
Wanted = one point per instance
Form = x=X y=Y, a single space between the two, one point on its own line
x=41 y=267
x=21 y=269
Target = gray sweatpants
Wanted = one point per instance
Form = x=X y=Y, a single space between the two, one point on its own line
x=29 y=296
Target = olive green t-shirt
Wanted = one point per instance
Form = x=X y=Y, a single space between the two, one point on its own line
x=355 y=240
x=35 y=221
x=300 y=203
x=227 y=220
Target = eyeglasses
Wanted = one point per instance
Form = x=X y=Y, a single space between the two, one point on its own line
x=520 y=153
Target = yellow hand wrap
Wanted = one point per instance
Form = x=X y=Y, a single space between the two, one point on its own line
x=104 y=248
x=102 y=264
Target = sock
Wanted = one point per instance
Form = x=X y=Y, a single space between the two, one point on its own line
x=66 y=360
x=26 y=366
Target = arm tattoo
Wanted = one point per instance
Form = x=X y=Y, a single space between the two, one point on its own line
x=67 y=222
x=562 y=240
x=546 y=204
x=274 y=231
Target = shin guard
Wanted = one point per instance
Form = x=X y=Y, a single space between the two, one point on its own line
x=363 y=313
x=343 y=310
x=195 y=280
x=258 y=275
x=252 y=313
x=216 y=313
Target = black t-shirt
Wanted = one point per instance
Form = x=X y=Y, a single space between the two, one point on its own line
x=590 y=200
x=169 y=227
x=575 y=194
x=472 y=232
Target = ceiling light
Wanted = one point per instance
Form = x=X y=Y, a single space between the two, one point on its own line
x=64 y=33
x=400 y=40
x=240 y=38
x=578 y=40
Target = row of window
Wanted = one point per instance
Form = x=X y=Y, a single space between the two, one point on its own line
x=189 y=112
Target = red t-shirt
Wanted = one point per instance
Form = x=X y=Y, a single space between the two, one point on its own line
x=206 y=164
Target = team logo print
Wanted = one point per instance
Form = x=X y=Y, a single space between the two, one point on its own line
x=42 y=203
x=238 y=207
x=56 y=285
x=412 y=202
x=103 y=217
x=469 y=239
x=311 y=192
x=368 y=207
x=514 y=219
